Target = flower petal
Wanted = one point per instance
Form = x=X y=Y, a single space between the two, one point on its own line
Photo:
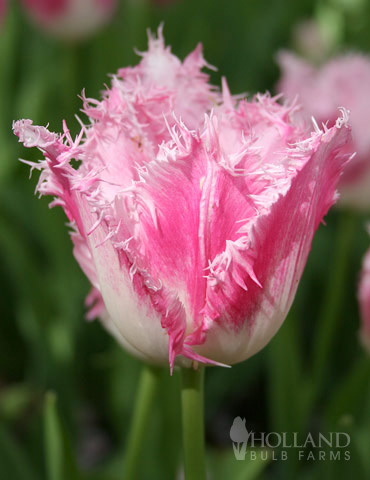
x=244 y=322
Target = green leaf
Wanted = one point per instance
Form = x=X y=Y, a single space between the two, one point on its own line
x=60 y=461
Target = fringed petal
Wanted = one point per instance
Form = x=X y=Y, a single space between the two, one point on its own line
x=192 y=218
x=280 y=240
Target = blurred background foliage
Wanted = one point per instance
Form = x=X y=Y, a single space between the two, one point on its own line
x=313 y=376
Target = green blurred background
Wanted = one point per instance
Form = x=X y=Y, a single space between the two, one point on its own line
x=313 y=376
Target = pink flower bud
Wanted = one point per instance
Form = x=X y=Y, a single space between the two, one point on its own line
x=364 y=302
x=192 y=212
x=70 y=19
x=342 y=82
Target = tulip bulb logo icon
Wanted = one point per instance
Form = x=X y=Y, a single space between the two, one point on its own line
x=239 y=436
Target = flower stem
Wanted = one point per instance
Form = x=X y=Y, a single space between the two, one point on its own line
x=148 y=384
x=193 y=423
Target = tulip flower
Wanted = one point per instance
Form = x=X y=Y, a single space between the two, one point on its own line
x=192 y=212
x=364 y=302
x=70 y=19
x=342 y=82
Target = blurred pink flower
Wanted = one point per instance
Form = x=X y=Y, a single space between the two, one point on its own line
x=310 y=39
x=342 y=82
x=364 y=302
x=192 y=213
x=70 y=19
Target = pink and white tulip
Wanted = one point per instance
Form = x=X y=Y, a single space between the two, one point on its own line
x=70 y=19
x=192 y=213
x=342 y=82
x=364 y=302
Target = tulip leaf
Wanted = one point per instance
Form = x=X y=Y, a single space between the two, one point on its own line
x=60 y=462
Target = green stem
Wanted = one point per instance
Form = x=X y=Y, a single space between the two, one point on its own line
x=148 y=384
x=193 y=423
